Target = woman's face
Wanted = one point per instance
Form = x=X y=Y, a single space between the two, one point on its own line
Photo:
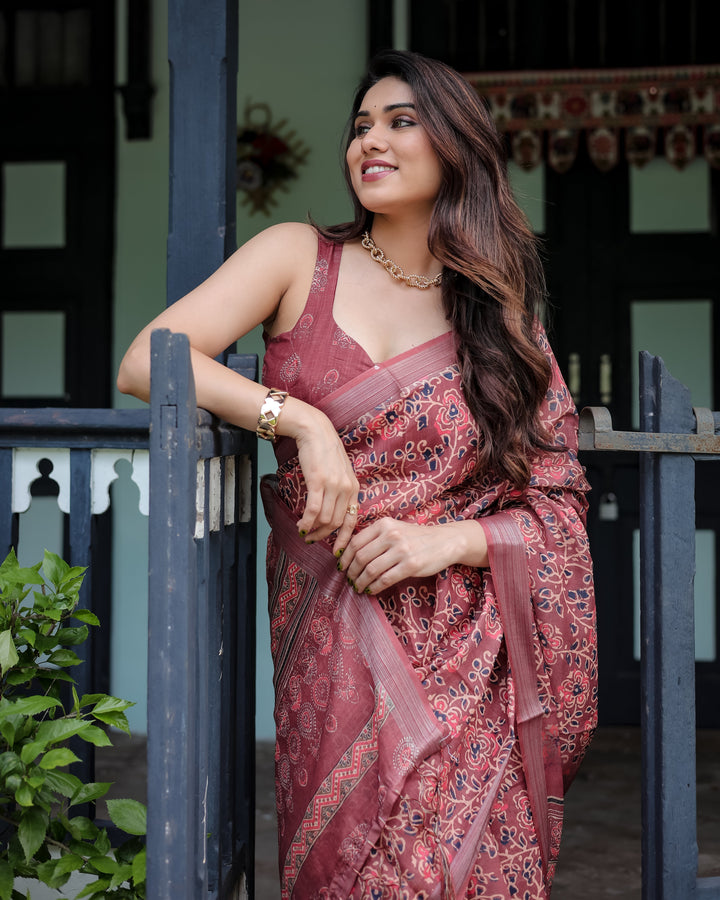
x=392 y=164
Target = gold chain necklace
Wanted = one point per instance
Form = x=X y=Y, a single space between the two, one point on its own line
x=418 y=281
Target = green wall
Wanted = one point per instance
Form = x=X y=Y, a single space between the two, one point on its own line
x=304 y=61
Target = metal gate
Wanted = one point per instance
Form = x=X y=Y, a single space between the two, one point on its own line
x=673 y=436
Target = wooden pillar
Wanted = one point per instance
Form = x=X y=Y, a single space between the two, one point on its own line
x=202 y=51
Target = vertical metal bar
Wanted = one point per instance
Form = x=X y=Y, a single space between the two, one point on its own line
x=202 y=50
x=667 y=551
x=173 y=838
x=205 y=724
x=217 y=784
x=226 y=668
x=8 y=520
x=246 y=603
x=80 y=549
x=80 y=537
x=229 y=683
x=244 y=641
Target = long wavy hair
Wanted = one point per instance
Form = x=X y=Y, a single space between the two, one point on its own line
x=493 y=284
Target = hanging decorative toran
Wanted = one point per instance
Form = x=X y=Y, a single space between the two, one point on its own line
x=640 y=112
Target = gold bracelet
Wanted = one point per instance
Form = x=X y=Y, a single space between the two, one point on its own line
x=270 y=413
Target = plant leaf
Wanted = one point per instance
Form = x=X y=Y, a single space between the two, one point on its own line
x=82 y=829
x=95 y=735
x=91 y=699
x=90 y=791
x=32 y=706
x=12 y=574
x=102 y=843
x=27 y=635
x=105 y=865
x=59 y=730
x=31 y=831
x=62 y=783
x=24 y=795
x=21 y=676
x=95 y=887
x=9 y=763
x=69 y=862
x=54 y=614
x=6 y=880
x=129 y=815
x=129 y=849
x=7 y=730
x=115 y=720
x=58 y=757
x=64 y=657
x=70 y=637
x=54 y=568
x=111 y=704
x=8 y=653
x=48 y=872
x=50 y=676
x=84 y=615
x=123 y=874
x=31 y=750
x=139 y=867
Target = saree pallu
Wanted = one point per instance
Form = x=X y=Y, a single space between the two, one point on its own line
x=426 y=735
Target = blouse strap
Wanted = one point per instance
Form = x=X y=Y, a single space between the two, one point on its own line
x=324 y=280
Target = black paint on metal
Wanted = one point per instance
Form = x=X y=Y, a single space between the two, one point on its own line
x=201 y=665
x=202 y=50
x=673 y=436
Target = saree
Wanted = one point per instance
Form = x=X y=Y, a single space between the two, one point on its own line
x=426 y=735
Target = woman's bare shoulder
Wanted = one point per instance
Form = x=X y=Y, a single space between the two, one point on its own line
x=289 y=239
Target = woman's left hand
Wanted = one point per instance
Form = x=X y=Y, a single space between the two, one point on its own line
x=389 y=550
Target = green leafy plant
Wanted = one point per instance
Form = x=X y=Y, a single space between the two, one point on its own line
x=40 y=837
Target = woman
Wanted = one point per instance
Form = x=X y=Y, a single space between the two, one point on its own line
x=431 y=594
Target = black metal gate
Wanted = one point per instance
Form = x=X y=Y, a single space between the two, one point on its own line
x=673 y=437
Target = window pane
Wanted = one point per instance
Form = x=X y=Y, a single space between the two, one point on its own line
x=40 y=528
x=529 y=190
x=33 y=354
x=680 y=331
x=34 y=204
x=663 y=198
x=705 y=627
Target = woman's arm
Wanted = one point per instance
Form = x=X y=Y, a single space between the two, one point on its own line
x=267 y=277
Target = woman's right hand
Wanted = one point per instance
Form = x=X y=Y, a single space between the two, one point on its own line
x=329 y=477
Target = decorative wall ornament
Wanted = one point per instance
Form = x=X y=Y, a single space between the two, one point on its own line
x=602 y=146
x=562 y=149
x=268 y=155
x=673 y=110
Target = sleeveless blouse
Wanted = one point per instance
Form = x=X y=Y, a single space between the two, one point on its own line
x=316 y=356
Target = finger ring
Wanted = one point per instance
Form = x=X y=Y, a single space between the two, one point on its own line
x=352 y=509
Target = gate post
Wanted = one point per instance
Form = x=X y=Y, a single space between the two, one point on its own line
x=667 y=559
x=174 y=827
x=202 y=51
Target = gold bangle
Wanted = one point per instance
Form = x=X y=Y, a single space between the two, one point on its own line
x=270 y=413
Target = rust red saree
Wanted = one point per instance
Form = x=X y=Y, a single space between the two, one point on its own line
x=425 y=736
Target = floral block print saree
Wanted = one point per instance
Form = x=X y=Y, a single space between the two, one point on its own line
x=425 y=736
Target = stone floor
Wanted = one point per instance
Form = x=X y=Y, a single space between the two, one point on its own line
x=600 y=856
